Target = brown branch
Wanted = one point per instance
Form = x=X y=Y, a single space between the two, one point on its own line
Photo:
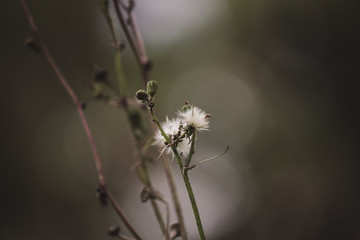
x=126 y=31
x=140 y=45
x=135 y=40
x=80 y=110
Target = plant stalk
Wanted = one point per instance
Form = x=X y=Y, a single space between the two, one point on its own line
x=194 y=205
x=85 y=123
x=123 y=90
x=171 y=179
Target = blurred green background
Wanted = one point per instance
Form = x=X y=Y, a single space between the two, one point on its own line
x=280 y=79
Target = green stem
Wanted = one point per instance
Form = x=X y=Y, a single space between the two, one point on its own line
x=184 y=173
x=119 y=72
x=123 y=90
x=154 y=204
x=146 y=180
x=170 y=177
x=175 y=197
x=117 y=55
x=130 y=39
x=104 y=7
x=194 y=205
x=193 y=140
x=173 y=147
x=189 y=188
x=159 y=217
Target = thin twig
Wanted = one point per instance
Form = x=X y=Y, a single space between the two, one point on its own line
x=122 y=84
x=121 y=214
x=80 y=110
x=127 y=34
x=208 y=159
x=136 y=40
x=140 y=45
x=147 y=182
x=173 y=191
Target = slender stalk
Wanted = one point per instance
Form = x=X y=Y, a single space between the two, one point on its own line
x=170 y=177
x=128 y=35
x=140 y=45
x=158 y=215
x=120 y=72
x=117 y=54
x=135 y=40
x=104 y=7
x=123 y=91
x=184 y=173
x=191 y=153
x=80 y=110
x=194 y=205
x=121 y=214
x=190 y=191
x=147 y=183
x=175 y=197
x=139 y=51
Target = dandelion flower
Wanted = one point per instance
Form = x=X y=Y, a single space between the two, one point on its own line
x=195 y=117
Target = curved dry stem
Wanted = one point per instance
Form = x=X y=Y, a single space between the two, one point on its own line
x=80 y=110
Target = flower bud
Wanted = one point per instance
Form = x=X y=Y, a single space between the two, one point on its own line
x=151 y=87
x=186 y=107
x=175 y=230
x=142 y=95
x=146 y=194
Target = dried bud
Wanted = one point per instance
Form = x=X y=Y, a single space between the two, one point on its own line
x=151 y=87
x=146 y=194
x=142 y=95
x=104 y=5
x=114 y=231
x=121 y=45
x=83 y=105
x=101 y=196
x=147 y=66
x=175 y=230
x=100 y=75
x=30 y=43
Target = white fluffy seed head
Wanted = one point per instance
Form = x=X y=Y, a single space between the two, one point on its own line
x=192 y=117
x=195 y=117
x=171 y=128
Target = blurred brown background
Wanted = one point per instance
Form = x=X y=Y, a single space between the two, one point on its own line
x=280 y=79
